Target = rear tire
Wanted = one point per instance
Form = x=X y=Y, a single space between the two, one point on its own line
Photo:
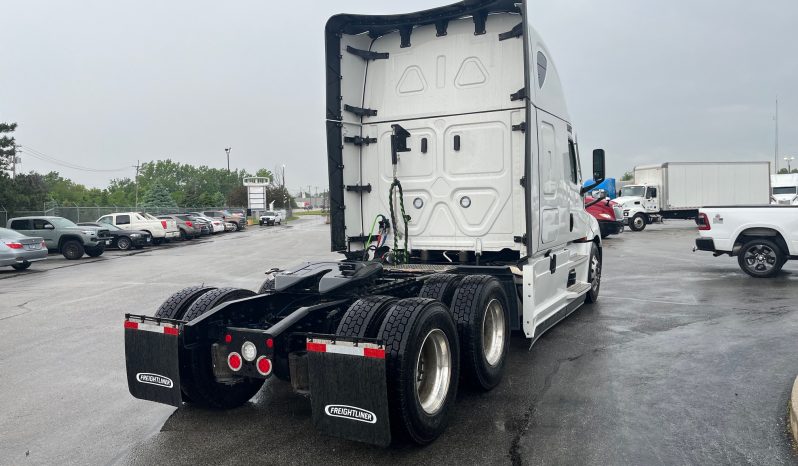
x=364 y=317
x=594 y=274
x=21 y=266
x=72 y=249
x=422 y=368
x=440 y=286
x=197 y=377
x=638 y=222
x=480 y=309
x=761 y=258
x=177 y=304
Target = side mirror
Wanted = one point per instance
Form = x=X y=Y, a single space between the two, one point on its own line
x=599 y=170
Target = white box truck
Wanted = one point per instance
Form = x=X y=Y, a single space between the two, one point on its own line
x=785 y=189
x=679 y=189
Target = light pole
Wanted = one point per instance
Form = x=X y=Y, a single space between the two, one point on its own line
x=227 y=151
x=788 y=160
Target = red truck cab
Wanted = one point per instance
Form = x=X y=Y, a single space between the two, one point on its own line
x=608 y=213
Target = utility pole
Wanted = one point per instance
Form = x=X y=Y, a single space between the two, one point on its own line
x=137 y=184
x=14 y=161
x=227 y=151
x=776 y=153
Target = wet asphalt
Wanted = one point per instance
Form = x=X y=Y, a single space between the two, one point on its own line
x=684 y=360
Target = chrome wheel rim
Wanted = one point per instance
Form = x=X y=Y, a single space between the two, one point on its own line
x=595 y=272
x=493 y=332
x=760 y=258
x=433 y=371
x=638 y=222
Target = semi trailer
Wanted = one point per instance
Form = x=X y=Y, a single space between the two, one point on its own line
x=678 y=189
x=457 y=204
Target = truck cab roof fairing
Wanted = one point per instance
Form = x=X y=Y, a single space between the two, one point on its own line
x=377 y=25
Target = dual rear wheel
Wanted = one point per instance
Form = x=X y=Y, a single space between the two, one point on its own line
x=456 y=330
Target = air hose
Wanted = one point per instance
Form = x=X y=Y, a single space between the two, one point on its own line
x=399 y=255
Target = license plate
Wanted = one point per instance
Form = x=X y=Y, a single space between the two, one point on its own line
x=33 y=247
x=148 y=239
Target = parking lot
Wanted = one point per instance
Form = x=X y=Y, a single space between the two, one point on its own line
x=684 y=360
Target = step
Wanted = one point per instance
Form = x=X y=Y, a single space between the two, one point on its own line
x=577 y=289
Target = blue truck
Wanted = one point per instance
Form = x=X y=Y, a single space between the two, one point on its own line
x=608 y=186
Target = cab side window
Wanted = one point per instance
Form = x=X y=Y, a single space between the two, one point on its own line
x=651 y=193
x=571 y=164
x=123 y=219
x=106 y=219
x=39 y=224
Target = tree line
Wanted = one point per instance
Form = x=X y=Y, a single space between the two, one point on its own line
x=159 y=183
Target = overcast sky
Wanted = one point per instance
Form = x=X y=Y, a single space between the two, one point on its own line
x=103 y=84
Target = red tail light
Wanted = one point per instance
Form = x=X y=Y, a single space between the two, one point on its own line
x=703 y=222
x=264 y=365
x=44 y=245
x=234 y=361
x=163 y=222
x=189 y=223
x=14 y=245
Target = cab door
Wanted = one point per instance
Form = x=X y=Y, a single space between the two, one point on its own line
x=554 y=196
x=46 y=230
x=651 y=202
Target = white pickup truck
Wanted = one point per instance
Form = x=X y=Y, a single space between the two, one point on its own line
x=762 y=237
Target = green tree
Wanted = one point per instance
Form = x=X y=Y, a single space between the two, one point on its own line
x=265 y=173
x=8 y=147
x=217 y=200
x=783 y=171
x=158 y=196
x=628 y=176
x=238 y=196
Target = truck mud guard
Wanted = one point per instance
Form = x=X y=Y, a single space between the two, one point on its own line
x=152 y=358
x=349 y=393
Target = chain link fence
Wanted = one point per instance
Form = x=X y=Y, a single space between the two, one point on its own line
x=91 y=214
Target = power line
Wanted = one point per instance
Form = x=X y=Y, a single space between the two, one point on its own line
x=37 y=154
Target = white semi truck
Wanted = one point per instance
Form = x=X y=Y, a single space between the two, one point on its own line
x=784 y=190
x=678 y=189
x=456 y=199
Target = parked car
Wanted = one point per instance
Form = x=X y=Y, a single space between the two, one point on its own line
x=230 y=226
x=205 y=227
x=239 y=212
x=271 y=217
x=121 y=238
x=608 y=213
x=238 y=221
x=169 y=224
x=63 y=235
x=137 y=221
x=184 y=225
x=20 y=251
x=217 y=225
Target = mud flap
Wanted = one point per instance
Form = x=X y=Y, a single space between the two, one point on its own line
x=348 y=390
x=152 y=360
